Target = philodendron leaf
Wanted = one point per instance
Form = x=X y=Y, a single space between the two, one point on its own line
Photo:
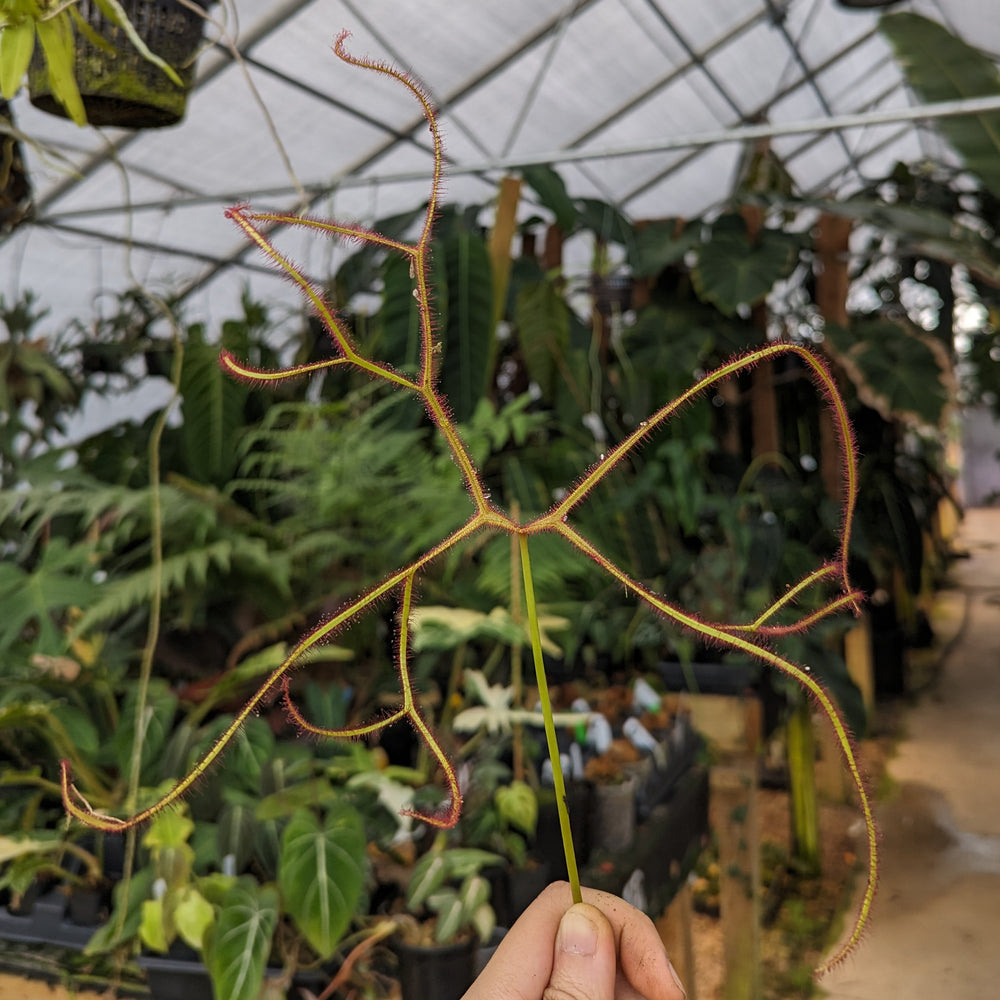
x=153 y=929
x=129 y=897
x=941 y=67
x=170 y=829
x=518 y=805
x=448 y=908
x=660 y=243
x=193 y=916
x=457 y=910
x=429 y=875
x=321 y=874
x=484 y=920
x=237 y=948
x=733 y=270
x=237 y=833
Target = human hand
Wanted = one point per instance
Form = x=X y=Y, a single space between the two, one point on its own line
x=601 y=949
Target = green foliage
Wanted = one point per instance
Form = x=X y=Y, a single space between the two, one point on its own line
x=894 y=369
x=213 y=406
x=466 y=317
x=941 y=67
x=240 y=942
x=733 y=270
x=322 y=873
x=60 y=580
x=543 y=321
x=552 y=193
x=446 y=881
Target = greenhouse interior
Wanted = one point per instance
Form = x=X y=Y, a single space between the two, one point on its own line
x=499 y=500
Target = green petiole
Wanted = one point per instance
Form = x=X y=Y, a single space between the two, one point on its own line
x=550 y=728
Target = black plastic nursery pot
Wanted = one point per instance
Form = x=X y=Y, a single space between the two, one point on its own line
x=441 y=972
x=548 y=846
x=118 y=86
x=176 y=978
x=512 y=890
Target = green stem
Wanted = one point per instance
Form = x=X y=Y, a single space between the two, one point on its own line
x=153 y=626
x=550 y=728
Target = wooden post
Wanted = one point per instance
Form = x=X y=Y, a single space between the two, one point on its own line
x=501 y=238
x=734 y=820
x=677 y=937
x=860 y=663
x=766 y=435
x=833 y=234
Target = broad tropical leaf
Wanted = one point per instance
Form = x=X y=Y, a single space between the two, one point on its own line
x=467 y=324
x=542 y=319
x=941 y=67
x=322 y=873
x=893 y=368
x=238 y=946
x=733 y=271
x=551 y=191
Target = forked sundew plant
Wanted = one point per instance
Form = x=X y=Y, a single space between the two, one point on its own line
x=752 y=638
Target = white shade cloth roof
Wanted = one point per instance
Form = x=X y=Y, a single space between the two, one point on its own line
x=636 y=102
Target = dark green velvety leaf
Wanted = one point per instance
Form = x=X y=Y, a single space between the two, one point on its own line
x=237 y=833
x=661 y=243
x=604 y=221
x=894 y=370
x=733 y=271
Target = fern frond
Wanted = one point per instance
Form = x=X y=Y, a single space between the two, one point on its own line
x=181 y=570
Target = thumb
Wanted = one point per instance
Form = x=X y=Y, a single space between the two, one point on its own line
x=585 y=961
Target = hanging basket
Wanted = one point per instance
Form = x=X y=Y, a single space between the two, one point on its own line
x=120 y=87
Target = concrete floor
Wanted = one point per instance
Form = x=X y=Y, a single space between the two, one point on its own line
x=935 y=930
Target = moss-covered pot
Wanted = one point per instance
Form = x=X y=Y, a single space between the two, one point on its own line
x=118 y=86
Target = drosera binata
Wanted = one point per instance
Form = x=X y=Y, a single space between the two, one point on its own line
x=752 y=638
